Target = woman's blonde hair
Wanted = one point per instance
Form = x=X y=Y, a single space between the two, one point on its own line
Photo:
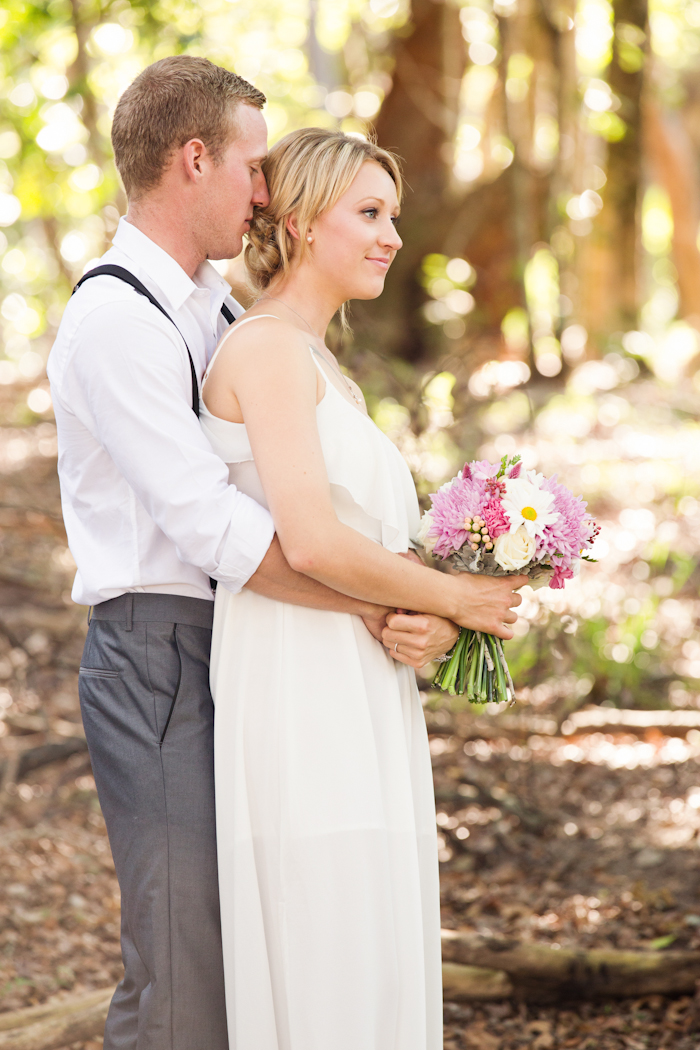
x=307 y=172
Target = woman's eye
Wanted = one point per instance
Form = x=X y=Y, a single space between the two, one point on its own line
x=371 y=212
x=396 y=219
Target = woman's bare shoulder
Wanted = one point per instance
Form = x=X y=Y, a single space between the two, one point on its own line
x=262 y=332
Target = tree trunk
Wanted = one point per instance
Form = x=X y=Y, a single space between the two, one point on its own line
x=672 y=164
x=608 y=266
x=418 y=120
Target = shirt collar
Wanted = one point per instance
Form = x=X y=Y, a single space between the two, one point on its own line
x=208 y=277
x=164 y=271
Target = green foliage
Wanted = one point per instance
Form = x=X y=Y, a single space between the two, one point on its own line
x=507 y=367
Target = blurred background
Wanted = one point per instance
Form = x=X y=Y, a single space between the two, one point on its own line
x=546 y=301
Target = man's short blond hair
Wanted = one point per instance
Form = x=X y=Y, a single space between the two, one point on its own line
x=172 y=101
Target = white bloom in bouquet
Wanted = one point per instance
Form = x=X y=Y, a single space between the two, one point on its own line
x=427 y=542
x=514 y=550
x=528 y=506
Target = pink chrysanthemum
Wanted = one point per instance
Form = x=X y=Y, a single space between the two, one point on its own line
x=559 y=577
x=563 y=542
x=452 y=504
x=496 y=518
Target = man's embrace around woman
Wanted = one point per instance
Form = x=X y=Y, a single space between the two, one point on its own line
x=328 y=868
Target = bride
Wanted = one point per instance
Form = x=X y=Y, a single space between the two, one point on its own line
x=325 y=813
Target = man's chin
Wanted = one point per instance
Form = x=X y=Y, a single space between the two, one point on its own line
x=226 y=252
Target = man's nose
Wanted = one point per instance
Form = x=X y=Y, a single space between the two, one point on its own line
x=261 y=196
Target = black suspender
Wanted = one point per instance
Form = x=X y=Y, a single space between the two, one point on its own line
x=124 y=275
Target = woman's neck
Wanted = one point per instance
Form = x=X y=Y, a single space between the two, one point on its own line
x=309 y=297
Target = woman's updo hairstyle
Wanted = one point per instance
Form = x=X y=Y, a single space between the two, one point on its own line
x=307 y=172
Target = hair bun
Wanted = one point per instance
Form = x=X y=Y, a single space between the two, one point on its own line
x=263 y=257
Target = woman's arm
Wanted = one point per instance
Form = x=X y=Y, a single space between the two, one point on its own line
x=266 y=373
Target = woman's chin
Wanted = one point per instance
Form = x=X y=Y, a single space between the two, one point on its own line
x=368 y=290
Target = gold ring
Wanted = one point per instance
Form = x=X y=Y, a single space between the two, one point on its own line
x=396 y=647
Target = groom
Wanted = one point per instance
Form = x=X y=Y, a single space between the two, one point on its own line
x=152 y=519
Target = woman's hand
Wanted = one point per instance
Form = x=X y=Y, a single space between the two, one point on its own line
x=418 y=639
x=485 y=603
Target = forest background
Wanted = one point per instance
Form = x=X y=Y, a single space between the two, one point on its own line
x=546 y=302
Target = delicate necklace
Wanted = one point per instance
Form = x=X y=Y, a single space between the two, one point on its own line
x=272 y=298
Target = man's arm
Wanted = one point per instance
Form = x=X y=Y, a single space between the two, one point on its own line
x=276 y=579
x=419 y=638
x=129 y=383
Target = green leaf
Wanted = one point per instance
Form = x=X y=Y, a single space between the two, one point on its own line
x=663 y=942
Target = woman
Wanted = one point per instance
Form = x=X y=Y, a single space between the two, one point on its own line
x=325 y=812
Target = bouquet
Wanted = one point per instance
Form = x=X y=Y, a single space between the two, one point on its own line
x=501 y=520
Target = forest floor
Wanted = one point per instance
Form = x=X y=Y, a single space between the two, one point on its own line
x=558 y=839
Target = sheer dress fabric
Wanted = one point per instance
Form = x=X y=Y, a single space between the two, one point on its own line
x=326 y=833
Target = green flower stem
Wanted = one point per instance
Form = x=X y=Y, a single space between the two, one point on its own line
x=473 y=669
x=504 y=663
x=464 y=658
x=477 y=667
x=483 y=692
x=501 y=689
x=446 y=677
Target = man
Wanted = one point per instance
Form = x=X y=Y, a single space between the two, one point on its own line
x=151 y=518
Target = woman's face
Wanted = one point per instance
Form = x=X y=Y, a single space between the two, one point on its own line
x=355 y=241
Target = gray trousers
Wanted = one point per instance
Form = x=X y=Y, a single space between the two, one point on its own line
x=149 y=722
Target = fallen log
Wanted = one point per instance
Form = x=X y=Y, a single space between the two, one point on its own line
x=36 y=757
x=53 y=1026
x=611 y=720
x=475 y=983
x=17 y=766
x=475 y=968
x=541 y=973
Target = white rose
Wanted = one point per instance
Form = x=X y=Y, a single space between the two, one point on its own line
x=426 y=541
x=513 y=550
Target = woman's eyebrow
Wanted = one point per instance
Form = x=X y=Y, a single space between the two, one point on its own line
x=366 y=200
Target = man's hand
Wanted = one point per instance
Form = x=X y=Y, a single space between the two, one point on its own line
x=376 y=623
x=416 y=640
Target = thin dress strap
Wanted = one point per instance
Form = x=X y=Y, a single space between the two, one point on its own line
x=255 y=317
x=314 y=357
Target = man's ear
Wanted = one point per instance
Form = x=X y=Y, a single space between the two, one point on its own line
x=195 y=159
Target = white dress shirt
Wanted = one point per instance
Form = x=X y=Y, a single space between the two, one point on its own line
x=146 y=501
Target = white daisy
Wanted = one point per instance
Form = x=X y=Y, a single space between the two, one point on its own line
x=527 y=504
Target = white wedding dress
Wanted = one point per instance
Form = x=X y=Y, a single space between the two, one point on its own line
x=325 y=811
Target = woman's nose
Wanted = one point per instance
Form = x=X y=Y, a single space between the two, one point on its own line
x=391 y=238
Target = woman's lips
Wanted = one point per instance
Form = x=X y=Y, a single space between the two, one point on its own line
x=384 y=263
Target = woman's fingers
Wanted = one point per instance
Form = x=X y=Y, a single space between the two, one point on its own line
x=420 y=639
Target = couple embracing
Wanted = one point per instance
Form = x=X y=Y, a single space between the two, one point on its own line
x=277 y=860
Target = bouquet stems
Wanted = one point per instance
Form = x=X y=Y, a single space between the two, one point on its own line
x=477 y=667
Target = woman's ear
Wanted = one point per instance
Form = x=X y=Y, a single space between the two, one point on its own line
x=292 y=227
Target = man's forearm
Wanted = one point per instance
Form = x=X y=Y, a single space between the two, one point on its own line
x=277 y=580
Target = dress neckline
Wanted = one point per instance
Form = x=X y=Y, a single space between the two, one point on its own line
x=326 y=379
